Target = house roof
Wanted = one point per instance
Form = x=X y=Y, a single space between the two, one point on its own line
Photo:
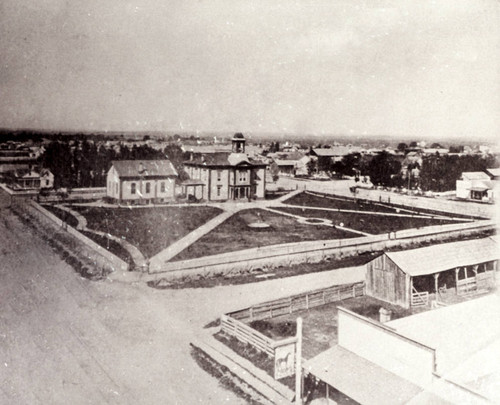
x=223 y=159
x=283 y=162
x=495 y=172
x=360 y=379
x=475 y=176
x=445 y=256
x=335 y=151
x=144 y=168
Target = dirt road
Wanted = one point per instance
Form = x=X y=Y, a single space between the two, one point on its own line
x=67 y=340
x=64 y=339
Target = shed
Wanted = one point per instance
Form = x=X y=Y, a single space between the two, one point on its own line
x=407 y=277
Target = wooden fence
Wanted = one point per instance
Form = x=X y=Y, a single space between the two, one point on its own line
x=300 y=302
x=246 y=334
x=233 y=323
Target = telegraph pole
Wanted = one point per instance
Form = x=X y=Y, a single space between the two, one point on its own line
x=298 y=363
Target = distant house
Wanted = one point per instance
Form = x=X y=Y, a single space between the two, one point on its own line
x=475 y=186
x=228 y=175
x=141 y=181
x=494 y=173
x=407 y=278
x=32 y=180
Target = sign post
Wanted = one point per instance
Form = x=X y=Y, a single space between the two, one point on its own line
x=298 y=363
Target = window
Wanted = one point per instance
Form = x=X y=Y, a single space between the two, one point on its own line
x=132 y=188
x=46 y=182
x=148 y=188
x=162 y=187
x=243 y=176
x=116 y=188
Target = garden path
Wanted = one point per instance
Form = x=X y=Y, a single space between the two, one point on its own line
x=139 y=261
x=229 y=208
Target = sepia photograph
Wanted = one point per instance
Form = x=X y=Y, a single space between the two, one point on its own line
x=249 y=202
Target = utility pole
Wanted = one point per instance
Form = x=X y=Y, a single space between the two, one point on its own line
x=298 y=363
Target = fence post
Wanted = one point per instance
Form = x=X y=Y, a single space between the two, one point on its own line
x=251 y=313
x=307 y=301
x=354 y=291
x=291 y=302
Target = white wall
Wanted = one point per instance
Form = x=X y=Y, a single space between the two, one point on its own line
x=388 y=349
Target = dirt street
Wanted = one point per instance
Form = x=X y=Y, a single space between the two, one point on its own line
x=64 y=339
x=67 y=340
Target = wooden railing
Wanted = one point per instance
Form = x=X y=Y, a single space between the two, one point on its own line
x=300 y=302
x=419 y=298
x=247 y=334
x=467 y=285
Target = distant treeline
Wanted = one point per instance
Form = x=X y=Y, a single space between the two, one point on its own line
x=84 y=164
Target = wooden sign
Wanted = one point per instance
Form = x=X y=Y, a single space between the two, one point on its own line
x=284 y=361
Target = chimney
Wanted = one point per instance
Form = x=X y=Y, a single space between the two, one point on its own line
x=385 y=315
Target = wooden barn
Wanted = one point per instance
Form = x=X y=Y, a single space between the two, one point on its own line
x=408 y=277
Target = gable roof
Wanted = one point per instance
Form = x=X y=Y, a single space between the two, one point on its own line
x=445 y=256
x=495 y=172
x=218 y=159
x=475 y=176
x=144 y=168
x=335 y=151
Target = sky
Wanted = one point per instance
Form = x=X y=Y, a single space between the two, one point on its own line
x=422 y=68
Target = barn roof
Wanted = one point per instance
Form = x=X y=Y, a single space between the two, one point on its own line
x=446 y=256
x=144 y=168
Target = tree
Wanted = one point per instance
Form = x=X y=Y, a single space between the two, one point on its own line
x=382 y=168
x=402 y=146
x=311 y=167
x=413 y=144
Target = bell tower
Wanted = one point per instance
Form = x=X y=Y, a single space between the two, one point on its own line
x=238 y=143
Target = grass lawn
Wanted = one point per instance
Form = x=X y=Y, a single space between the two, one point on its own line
x=311 y=200
x=373 y=224
x=64 y=215
x=346 y=203
x=149 y=229
x=235 y=234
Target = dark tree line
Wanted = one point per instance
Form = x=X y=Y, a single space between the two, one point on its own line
x=85 y=164
x=440 y=173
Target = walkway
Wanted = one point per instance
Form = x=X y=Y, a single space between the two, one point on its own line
x=139 y=261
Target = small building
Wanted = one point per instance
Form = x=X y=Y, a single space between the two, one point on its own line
x=444 y=356
x=32 y=180
x=141 y=181
x=228 y=175
x=475 y=186
x=407 y=278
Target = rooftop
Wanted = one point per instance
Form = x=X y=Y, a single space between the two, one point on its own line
x=445 y=256
x=144 y=168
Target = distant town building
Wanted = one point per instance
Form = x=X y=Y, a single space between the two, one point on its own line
x=475 y=186
x=141 y=181
x=32 y=180
x=228 y=175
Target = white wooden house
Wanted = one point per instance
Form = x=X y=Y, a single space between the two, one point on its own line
x=141 y=181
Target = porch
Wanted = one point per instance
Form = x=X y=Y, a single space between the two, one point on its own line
x=454 y=285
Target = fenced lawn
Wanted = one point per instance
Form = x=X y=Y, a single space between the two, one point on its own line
x=372 y=224
x=310 y=199
x=320 y=323
x=149 y=229
x=236 y=234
